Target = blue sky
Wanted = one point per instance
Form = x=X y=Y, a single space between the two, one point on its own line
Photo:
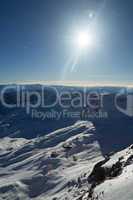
x=36 y=40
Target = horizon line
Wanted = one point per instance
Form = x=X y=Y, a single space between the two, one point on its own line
x=68 y=83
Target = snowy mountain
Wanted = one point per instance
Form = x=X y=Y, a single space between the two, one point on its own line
x=44 y=167
x=59 y=166
x=68 y=158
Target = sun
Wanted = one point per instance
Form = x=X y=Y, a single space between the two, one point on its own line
x=83 y=39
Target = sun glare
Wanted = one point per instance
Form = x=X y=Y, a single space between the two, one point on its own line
x=83 y=40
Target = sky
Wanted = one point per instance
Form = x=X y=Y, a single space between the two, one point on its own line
x=38 y=40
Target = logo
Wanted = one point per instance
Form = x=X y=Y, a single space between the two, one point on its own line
x=128 y=99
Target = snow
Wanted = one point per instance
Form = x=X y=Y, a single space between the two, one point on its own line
x=43 y=160
x=28 y=165
x=118 y=188
x=28 y=171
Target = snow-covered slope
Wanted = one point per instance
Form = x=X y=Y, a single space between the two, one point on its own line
x=66 y=159
x=66 y=164
x=111 y=178
x=49 y=166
